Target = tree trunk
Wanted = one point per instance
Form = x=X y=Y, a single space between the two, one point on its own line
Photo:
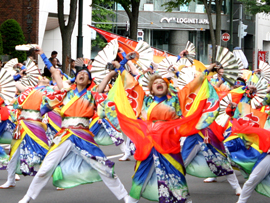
x=207 y=5
x=133 y=16
x=218 y=21
x=66 y=30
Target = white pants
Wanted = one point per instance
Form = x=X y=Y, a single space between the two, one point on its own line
x=50 y=163
x=256 y=176
x=232 y=179
x=12 y=165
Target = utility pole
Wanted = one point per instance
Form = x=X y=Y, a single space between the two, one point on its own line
x=80 y=37
x=239 y=27
x=231 y=26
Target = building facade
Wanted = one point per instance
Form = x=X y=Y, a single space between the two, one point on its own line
x=39 y=22
x=170 y=31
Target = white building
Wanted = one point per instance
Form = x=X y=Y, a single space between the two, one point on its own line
x=49 y=30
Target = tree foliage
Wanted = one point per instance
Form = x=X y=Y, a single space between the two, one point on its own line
x=255 y=7
x=215 y=34
x=101 y=12
x=12 y=35
x=1 y=44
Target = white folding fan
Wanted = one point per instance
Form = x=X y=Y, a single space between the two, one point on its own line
x=8 y=88
x=31 y=74
x=144 y=81
x=265 y=70
x=9 y=66
x=190 y=47
x=223 y=117
x=105 y=56
x=186 y=75
x=25 y=47
x=261 y=91
x=229 y=63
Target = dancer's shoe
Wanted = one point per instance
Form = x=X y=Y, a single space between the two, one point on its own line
x=25 y=199
x=7 y=185
x=125 y=157
x=238 y=191
x=210 y=180
x=17 y=177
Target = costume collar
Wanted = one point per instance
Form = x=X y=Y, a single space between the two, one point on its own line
x=160 y=99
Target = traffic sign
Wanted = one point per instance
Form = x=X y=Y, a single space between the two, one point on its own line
x=225 y=37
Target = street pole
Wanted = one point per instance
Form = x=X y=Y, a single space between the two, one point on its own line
x=80 y=37
x=231 y=26
x=239 y=27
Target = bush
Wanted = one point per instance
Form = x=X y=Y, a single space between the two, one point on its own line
x=12 y=35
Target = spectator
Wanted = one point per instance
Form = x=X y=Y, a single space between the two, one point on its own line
x=54 y=55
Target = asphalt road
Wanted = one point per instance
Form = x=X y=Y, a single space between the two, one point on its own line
x=219 y=192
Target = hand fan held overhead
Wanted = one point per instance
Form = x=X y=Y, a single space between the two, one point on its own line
x=265 y=70
x=222 y=117
x=190 y=47
x=26 y=47
x=105 y=56
x=260 y=94
x=31 y=74
x=228 y=62
x=8 y=87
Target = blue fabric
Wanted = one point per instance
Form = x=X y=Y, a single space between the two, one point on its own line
x=122 y=63
x=72 y=80
x=46 y=61
x=95 y=128
x=3 y=126
x=45 y=109
x=124 y=54
x=17 y=77
x=160 y=99
x=178 y=57
x=177 y=74
x=23 y=67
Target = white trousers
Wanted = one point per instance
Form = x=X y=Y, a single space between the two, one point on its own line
x=256 y=176
x=50 y=163
x=232 y=179
x=12 y=165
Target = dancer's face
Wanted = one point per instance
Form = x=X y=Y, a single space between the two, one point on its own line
x=159 y=87
x=82 y=78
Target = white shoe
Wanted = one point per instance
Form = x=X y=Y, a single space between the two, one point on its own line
x=17 y=177
x=210 y=180
x=7 y=185
x=238 y=191
x=129 y=199
x=60 y=188
x=125 y=157
x=25 y=199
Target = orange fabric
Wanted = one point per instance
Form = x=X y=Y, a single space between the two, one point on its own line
x=163 y=135
x=4 y=113
x=34 y=101
x=256 y=135
x=80 y=108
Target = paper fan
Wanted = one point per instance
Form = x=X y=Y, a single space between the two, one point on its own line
x=261 y=91
x=9 y=66
x=25 y=47
x=190 y=47
x=31 y=74
x=223 y=117
x=8 y=87
x=108 y=54
x=265 y=70
x=229 y=63
x=146 y=55
x=186 y=75
x=144 y=81
x=82 y=61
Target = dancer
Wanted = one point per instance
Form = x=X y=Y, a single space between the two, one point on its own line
x=159 y=171
x=74 y=147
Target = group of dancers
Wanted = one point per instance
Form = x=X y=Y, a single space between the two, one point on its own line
x=207 y=128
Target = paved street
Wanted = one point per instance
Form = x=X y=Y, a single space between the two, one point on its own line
x=219 y=192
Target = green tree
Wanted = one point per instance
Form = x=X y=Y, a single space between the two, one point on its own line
x=215 y=34
x=254 y=7
x=101 y=12
x=1 y=44
x=12 y=35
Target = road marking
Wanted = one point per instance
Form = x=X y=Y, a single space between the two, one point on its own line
x=115 y=156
